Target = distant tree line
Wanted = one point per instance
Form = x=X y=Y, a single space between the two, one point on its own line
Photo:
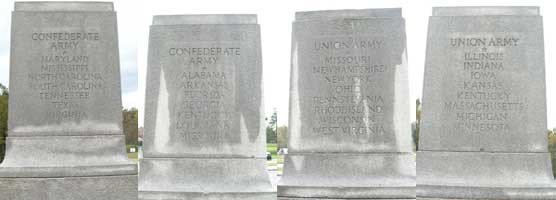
x=3 y=119
x=271 y=136
x=552 y=148
x=130 y=125
x=416 y=125
x=276 y=134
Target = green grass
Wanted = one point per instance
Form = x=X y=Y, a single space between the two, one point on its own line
x=132 y=156
x=272 y=148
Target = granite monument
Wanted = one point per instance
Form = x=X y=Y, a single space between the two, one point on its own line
x=350 y=135
x=483 y=128
x=204 y=127
x=65 y=138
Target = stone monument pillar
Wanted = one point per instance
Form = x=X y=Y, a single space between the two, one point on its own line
x=204 y=127
x=350 y=135
x=483 y=128
x=65 y=138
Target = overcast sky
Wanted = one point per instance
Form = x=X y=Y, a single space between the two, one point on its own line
x=275 y=17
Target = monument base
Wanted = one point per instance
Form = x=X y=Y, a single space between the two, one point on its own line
x=205 y=178
x=66 y=156
x=205 y=196
x=70 y=188
x=287 y=198
x=427 y=192
x=484 y=175
x=348 y=176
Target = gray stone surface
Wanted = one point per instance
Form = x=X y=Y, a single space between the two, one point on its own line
x=293 y=198
x=204 y=19
x=349 y=123
x=475 y=193
x=484 y=11
x=70 y=188
x=205 y=175
x=484 y=169
x=61 y=156
x=207 y=196
x=204 y=128
x=368 y=97
x=348 y=13
x=63 y=6
x=64 y=128
x=350 y=176
x=64 y=72
x=484 y=106
x=203 y=108
x=519 y=110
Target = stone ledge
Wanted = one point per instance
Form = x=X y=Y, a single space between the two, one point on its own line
x=349 y=13
x=435 y=192
x=69 y=171
x=347 y=175
x=63 y=6
x=205 y=19
x=484 y=169
x=303 y=192
x=295 y=198
x=204 y=175
x=206 y=196
x=70 y=188
x=485 y=10
x=61 y=156
x=349 y=170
